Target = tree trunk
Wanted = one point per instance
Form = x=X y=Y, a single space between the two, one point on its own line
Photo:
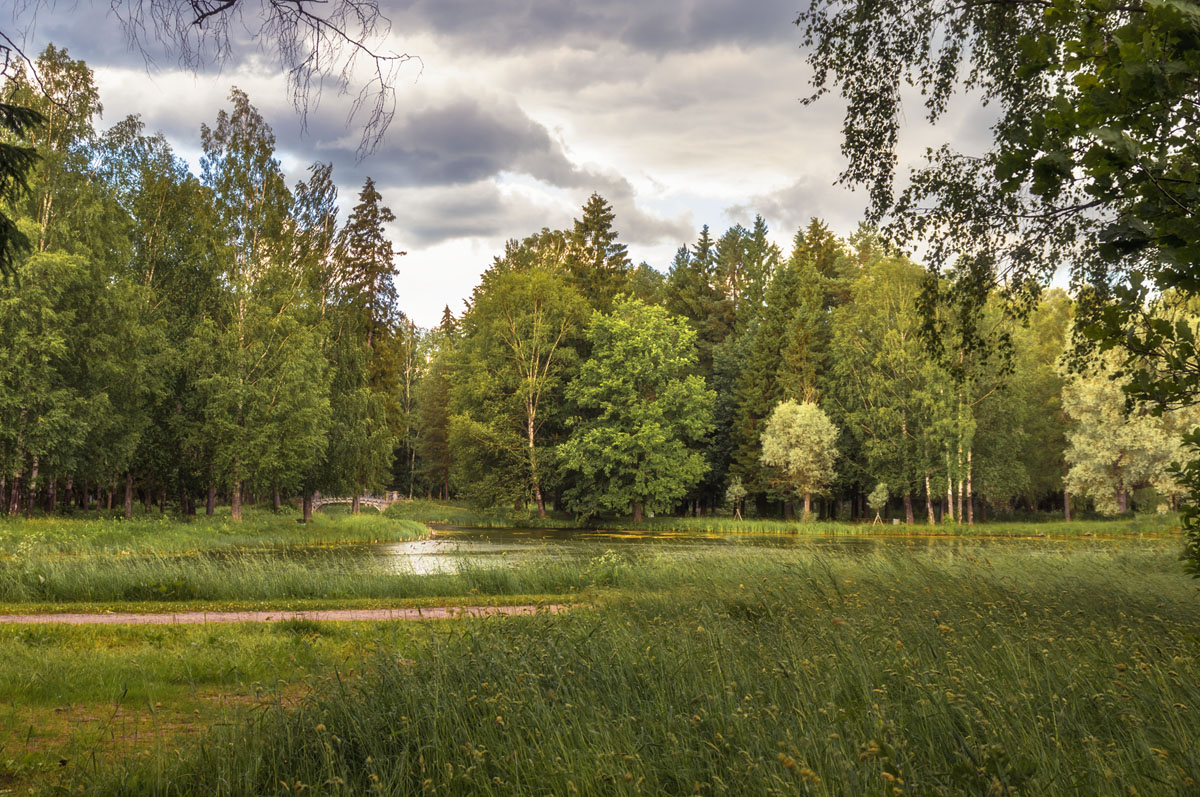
x=52 y=496
x=970 y=495
x=948 y=515
x=147 y=499
x=108 y=496
x=162 y=500
x=1066 y=505
x=929 y=502
x=128 y=494
x=210 y=503
x=789 y=511
x=275 y=502
x=412 y=470
x=308 y=501
x=31 y=489
x=637 y=511
x=908 y=509
x=68 y=496
x=354 y=504
x=235 y=502
x=533 y=471
x=14 y=495
x=807 y=507
x=1122 y=501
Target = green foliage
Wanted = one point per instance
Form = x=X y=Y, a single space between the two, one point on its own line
x=598 y=266
x=1093 y=166
x=735 y=494
x=801 y=443
x=518 y=349
x=16 y=162
x=878 y=498
x=643 y=411
x=1113 y=448
x=783 y=348
x=886 y=390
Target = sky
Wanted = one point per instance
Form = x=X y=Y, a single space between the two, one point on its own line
x=514 y=111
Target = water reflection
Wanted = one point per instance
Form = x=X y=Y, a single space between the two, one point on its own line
x=453 y=548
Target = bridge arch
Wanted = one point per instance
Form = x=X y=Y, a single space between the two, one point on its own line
x=379 y=502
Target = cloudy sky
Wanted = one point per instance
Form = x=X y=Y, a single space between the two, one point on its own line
x=680 y=114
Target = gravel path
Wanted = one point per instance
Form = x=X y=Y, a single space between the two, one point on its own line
x=428 y=613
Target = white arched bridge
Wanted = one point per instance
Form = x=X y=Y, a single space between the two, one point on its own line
x=379 y=502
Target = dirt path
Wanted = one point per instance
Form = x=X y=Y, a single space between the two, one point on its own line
x=428 y=613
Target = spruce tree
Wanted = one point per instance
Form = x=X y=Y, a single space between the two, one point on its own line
x=692 y=291
x=599 y=267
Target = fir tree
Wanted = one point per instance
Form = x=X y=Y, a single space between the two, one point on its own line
x=599 y=267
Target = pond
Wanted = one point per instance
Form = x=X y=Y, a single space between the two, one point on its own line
x=452 y=547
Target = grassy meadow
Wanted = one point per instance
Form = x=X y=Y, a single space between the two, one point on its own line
x=87 y=533
x=76 y=697
x=1063 y=665
x=1013 y=670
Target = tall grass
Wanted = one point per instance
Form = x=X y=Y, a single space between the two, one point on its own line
x=164 y=534
x=768 y=672
x=251 y=576
x=37 y=581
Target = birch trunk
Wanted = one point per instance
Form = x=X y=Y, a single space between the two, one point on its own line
x=948 y=516
x=970 y=495
x=533 y=472
x=929 y=501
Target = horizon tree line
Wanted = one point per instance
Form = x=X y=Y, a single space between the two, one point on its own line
x=185 y=339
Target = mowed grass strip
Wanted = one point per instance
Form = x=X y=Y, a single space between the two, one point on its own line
x=771 y=672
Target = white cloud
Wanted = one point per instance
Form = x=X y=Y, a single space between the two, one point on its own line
x=679 y=115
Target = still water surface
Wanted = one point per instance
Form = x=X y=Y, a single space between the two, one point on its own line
x=452 y=548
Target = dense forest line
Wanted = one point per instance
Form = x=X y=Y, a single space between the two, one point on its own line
x=183 y=339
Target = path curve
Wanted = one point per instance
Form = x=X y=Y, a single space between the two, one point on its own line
x=426 y=613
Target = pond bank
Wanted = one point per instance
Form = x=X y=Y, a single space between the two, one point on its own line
x=325 y=615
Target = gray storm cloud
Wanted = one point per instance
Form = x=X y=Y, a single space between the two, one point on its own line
x=658 y=27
